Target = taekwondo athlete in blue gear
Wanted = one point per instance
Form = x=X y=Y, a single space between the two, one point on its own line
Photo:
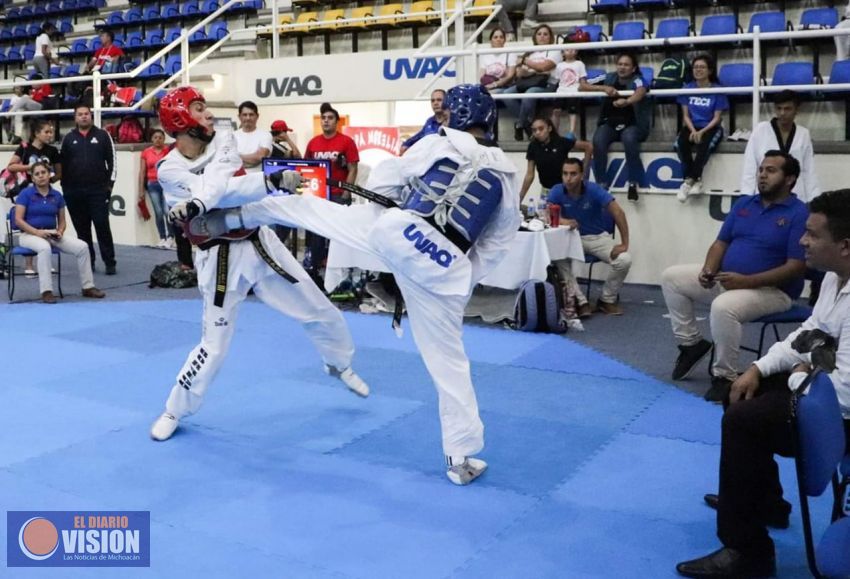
x=458 y=211
x=202 y=173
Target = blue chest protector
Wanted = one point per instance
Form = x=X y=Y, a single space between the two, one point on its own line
x=454 y=202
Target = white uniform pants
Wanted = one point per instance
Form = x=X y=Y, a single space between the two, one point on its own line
x=302 y=301
x=435 y=320
x=66 y=244
x=729 y=311
x=600 y=246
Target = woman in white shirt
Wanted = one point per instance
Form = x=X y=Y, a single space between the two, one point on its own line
x=534 y=73
x=497 y=70
x=42 y=59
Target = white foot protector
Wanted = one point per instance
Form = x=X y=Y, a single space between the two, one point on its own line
x=164 y=427
x=467 y=471
x=354 y=382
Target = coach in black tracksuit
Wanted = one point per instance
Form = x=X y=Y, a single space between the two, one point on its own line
x=88 y=174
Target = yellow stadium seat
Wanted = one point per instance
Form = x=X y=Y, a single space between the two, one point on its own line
x=394 y=9
x=304 y=23
x=328 y=21
x=360 y=12
x=422 y=6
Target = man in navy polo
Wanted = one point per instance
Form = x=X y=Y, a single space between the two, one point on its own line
x=755 y=267
x=593 y=211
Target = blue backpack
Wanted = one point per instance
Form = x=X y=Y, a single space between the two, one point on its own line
x=538 y=308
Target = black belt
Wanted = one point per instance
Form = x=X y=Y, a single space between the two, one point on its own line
x=452 y=234
x=222 y=268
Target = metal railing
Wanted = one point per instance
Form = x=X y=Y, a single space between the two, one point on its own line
x=756 y=38
x=96 y=77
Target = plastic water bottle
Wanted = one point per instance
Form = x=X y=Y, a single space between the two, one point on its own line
x=531 y=208
x=543 y=209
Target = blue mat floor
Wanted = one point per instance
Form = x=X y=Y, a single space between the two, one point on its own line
x=596 y=469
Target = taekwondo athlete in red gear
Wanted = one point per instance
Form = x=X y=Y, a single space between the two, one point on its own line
x=203 y=173
x=458 y=212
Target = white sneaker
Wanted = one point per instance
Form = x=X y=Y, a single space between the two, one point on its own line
x=696 y=188
x=354 y=382
x=529 y=23
x=736 y=136
x=162 y=244
x=466 y=472
x=684 y=190
x=164 y=427
x=170 y=243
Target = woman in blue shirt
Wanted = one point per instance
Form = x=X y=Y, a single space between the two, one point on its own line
x=40 y=215
x=702 y=129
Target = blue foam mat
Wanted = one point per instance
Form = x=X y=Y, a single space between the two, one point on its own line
x=683 y=416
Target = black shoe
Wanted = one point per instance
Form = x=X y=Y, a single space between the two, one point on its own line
x=633 y=192
x=719 y=391
x=110 y=270
x=689 y=357
x=778 y=518
x=727 y=562
x=519 y=134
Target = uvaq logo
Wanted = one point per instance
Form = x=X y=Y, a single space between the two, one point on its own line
x=424 y=245
x=415 y=68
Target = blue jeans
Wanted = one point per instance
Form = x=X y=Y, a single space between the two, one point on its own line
x=523 y=110
x=602 y=139
x=158 y=202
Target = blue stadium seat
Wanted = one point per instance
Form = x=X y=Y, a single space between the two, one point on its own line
x=209 y=6
x=152 y=15
x=596 y=75
x=610 y=6
x=819 y=18
x=6 y=35
x=840 y=73
x=134 y=41
x=788 y=73
x=170 y=13
x=200 y=37
x=65 y=26
x=172 y=64
x=12 y=13
x=719 y=24
x=20 y=32
x=154 y=38
x=110 y=21
x=593 y=30
x=15 y=55
x=72 y=69
x=634 y=30
x=769 y=22
x=650 y=4
x=736 y=74
x=673 y=28
x=218 y=30
x=134 y=15
x=172 y=34
x=54 y=8
x=80 y=46
x=33 y=30
x=153 y=70
x=29 y=52
x=95 y=43
x=648 y=74
x=190 y=10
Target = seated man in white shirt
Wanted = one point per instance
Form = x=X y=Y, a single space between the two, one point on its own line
x=756 y=424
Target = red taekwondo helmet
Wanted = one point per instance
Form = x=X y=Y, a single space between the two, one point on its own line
x=175 y=116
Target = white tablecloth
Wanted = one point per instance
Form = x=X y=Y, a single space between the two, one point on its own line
x=530 y=254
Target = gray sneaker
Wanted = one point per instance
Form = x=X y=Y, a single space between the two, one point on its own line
x=465 y=472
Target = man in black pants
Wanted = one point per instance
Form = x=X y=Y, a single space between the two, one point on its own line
x=88 y=174
x=756 y=424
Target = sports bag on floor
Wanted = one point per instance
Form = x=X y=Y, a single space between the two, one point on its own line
x=537 y=308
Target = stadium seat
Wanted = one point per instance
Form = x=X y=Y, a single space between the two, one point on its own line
x=650 y=4
x=209 y=6
x=790 y=73
x=605 y=6
x=65 y=26
x=152 y=15
x=820 y=442
x=152 y=71
x=29 y=52
x=648 y=74
x=33 y=30
x=218 y=30
x=134 y=42
x=673 y=28
x=169 y=13
x=593 y=30
x=133 y=16
x=172 y=34
x=110 y=21
x=154 y=38
x=15 y=250
x=819 y=18
x=72 y=69
x=189 y=11
x=840 y=73
x=328 y=21
x=172 y=64
x=719 y=24
x=80 y=46
x=736 y=74
x=769 y=22
x=634 y=30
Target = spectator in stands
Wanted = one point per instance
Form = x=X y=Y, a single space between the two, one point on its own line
x=623 y=119
x=44 y=50
x=754 y=268
x=584 y=206
x=842 y=43
x=39 y=148
x=702 y=129
x=529 y=14
x=783 y=134
x=105 y=58
x=283 y=147
x=40 y=215
x=341 y=151
x=21 y=101
x=534 y=73
x=570 y=75
x=497 y=71
x=88 y=175
x=252 y=143
x=434 y=122
x=149 y=159
x=546 y=153
x=757 y=421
